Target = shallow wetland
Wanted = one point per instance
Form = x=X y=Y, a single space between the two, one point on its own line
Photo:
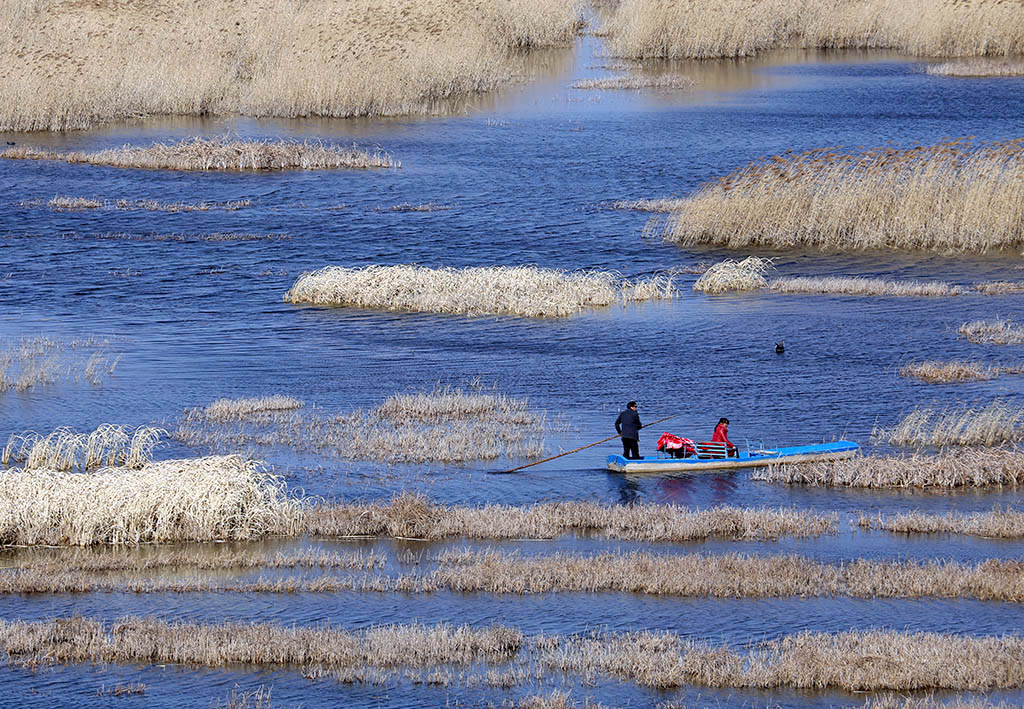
x=155 y=300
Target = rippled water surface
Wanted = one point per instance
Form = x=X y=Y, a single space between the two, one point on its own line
x=527 y=176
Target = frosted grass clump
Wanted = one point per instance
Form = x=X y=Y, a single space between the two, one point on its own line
x=992 y=332
x=64 y=449
x=526 y=291
x=856 y=285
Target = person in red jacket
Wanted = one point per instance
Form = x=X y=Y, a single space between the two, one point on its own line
x=721 y=435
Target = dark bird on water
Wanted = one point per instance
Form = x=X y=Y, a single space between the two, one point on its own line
x=780 y=347
x=10 y=142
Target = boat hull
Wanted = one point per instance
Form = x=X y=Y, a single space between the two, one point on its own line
x=836 y=450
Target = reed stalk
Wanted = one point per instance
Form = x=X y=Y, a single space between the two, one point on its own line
x=847 y=200
x=650 y=29
x=524 y=291
x=973 y=467
x=198 y=153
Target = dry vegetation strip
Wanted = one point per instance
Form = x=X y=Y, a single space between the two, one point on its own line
x=999 y=331
x=525 y=291
x=199 y=153
x=64 y=203
x=649 y=29
x=446 y=424
x=997 y=524
x=852 y=661
x=994 y=425
x=841 y=200
x=466 y=571
x=944 y=372
x=414 y=516
x=858 y=285
x=971 y=467
x=200 y=499
x=71 y=64
x=977 y=67
x=101 y=559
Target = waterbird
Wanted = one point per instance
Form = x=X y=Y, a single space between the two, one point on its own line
x=780 y=347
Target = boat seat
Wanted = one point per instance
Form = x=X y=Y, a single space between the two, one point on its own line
x=707 y=449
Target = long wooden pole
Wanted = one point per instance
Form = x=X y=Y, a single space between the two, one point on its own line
x=575 y=450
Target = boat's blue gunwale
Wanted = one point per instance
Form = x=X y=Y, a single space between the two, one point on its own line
x=814 y=451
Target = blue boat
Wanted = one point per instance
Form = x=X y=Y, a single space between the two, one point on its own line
x=711 y=457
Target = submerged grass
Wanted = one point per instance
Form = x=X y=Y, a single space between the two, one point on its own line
x=977 y=67
x=635 y=81
x=198 y=153
x=447 y=424
x=852 y=661
x=996 y=424
x=971 y=467
x=883 y=198
x=525 y=291
x=650 y=29
x=199 y=499
x=35 y=362
x=64 y=203
x=71 y=65
x=999 y=331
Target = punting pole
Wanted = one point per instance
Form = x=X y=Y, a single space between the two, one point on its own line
x=574 y=450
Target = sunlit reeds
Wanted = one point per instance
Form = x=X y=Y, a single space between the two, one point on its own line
x=199 y=499
x=65 y=203
x=858 y=285
x=108 y=446
x=999 y=331
x=526 y=291
x=445 y=424
x=415 y=516
x=840 y=200
x=1000 y=287
x=198 y=153
x=945 y=372
x=970 y=467
x=894 y=701
x=332 y=58
x=997 y=524
x=35 y=362
x=731 y=275
x=871 y=660
x=636 y=82
x=649 y=29
x=977 y=67
x=993 y=425
x=666 y=204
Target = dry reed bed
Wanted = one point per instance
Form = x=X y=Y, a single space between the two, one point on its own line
x=692 y=575
x=526 y=291
x=731 y=275
x=63 y=449
x=199 y=499
x=858 y=285
x=1000 y=287
x=950 y=469
x=70 y=65
x=999 y=331
x=945 y=372
x=882 y=198
x=891 y=701
x=64 y=203
x=997 y=524
x=635 y=81
x=994 y=425
x=414 y=516
x=447 y=424
x=650 y=29
x=977 y=67
x=852 y=661
x=200 y=153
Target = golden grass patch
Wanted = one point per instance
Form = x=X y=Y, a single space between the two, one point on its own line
x=198 y=153
x=71 y=65
x=945 y=372
x=650 y=29
x=993 y=425
x=883 y=198
x=524 y=291
x=996 y=524
x=970 y=467
x=999 y=331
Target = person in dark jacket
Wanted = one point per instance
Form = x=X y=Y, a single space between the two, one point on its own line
x=628 y=426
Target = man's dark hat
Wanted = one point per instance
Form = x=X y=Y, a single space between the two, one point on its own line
x=630 y=405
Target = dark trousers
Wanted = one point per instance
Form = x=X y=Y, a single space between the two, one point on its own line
x=630 y=448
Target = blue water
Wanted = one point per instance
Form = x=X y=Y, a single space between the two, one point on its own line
x=528 y=175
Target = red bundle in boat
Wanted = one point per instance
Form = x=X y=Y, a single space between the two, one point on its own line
x=669 y=442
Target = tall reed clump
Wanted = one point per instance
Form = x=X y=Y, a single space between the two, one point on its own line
x=651 y=29
x=882 y=198
x=731 y=275
x=446 y=424
x=994 y=425
x=198 y=153
x=971 y=467
x=200 y=499
x=63 y=449
x=71 y=65
x=999 y=331
x=525 y=291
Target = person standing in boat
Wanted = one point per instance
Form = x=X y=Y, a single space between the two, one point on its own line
x=721 y=435
x=628 y=426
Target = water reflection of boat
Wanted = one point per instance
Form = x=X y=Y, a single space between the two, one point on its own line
x=756 y=457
